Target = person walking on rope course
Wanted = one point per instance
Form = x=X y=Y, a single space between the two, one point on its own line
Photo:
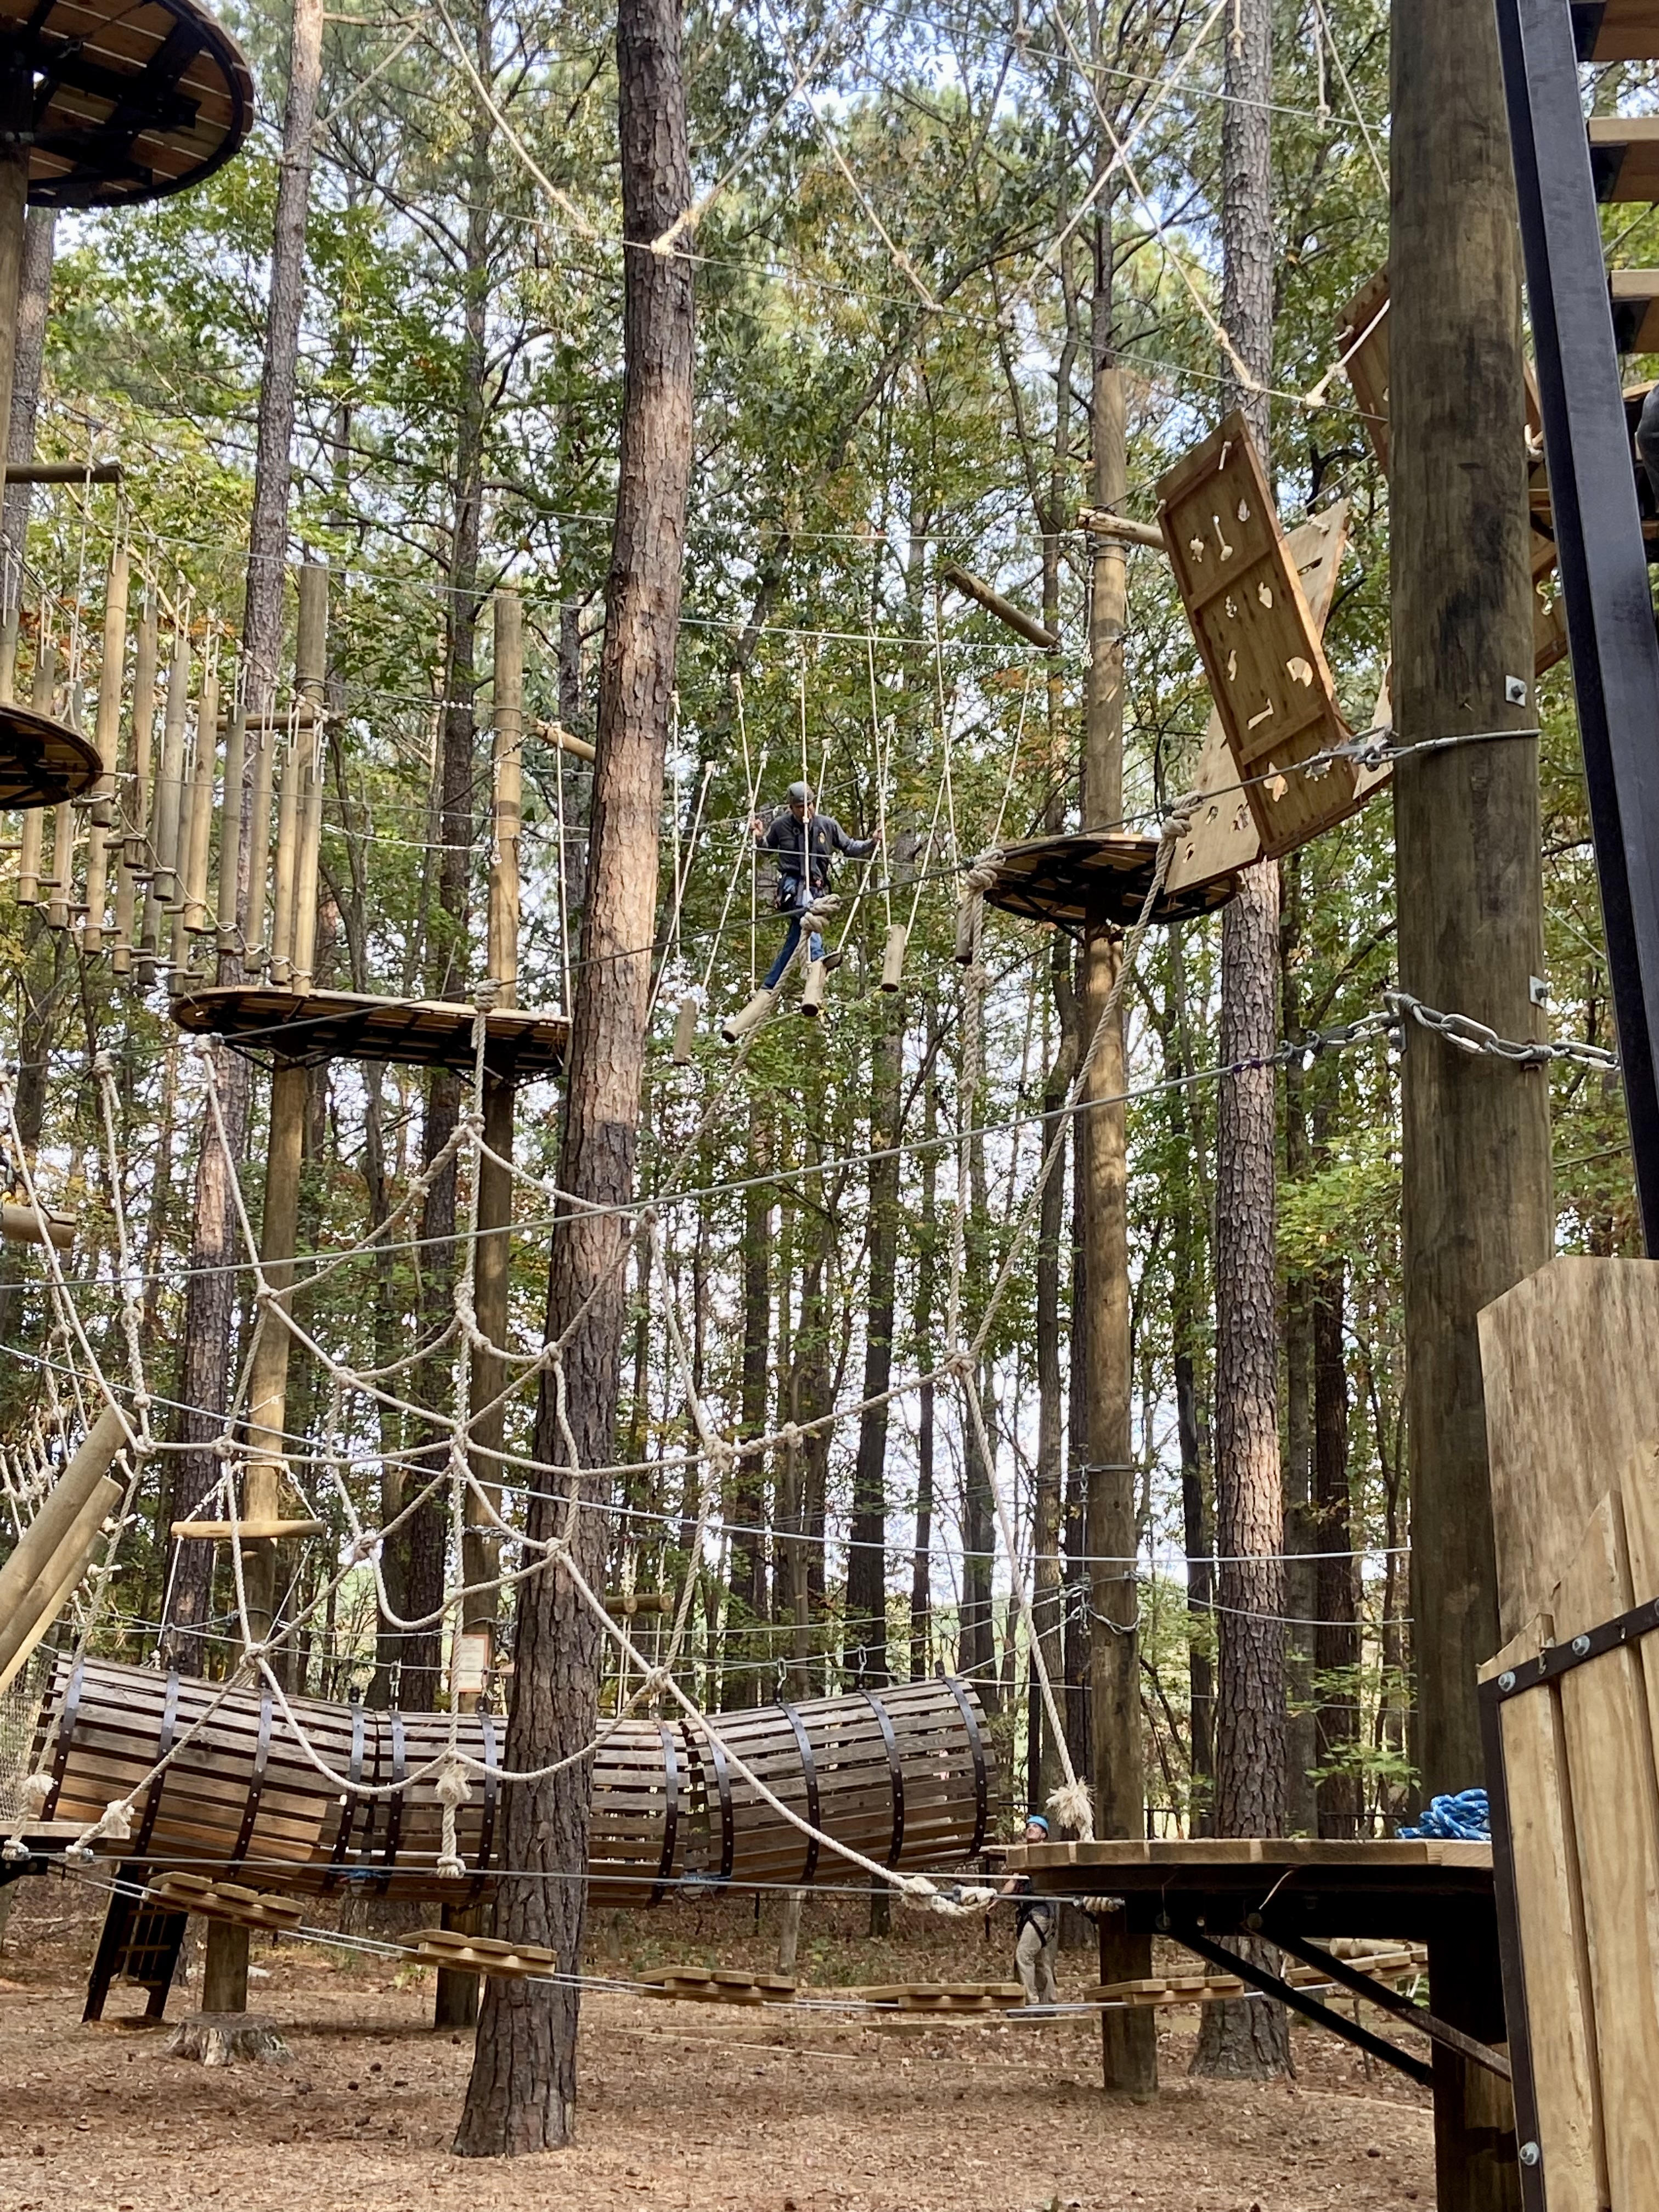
x=1036 y=1927
x=805 y=842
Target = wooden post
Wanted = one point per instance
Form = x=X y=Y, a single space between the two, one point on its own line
x=190 y=915
x=262 y=1493
x=34 y=820
x=1102 y=1342
x=310 y=670
x=107 y=731
x=15 y=155
x=135 y=810
x=481 y=1550
x=282 y=873
x=1475 y=1184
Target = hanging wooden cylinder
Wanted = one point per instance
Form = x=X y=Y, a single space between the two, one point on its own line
x=282 y=874
x=310 y=670
x=166 y=806
x=9 y=629
x=968 y=912
x=107 y=731
x=811 y=997
x=257 y=951
x=230 y=831
x=508 y=704
x=35 y=821
x=132 y=867
x=195 y=845
x=892 y=961
x=906 y=1774
x=61 y=882
x=685 y=1030
x=751 y=1018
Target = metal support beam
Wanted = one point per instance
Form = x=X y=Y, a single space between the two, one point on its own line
x=1375 y=1992
x=1322 y=2016
x=1603 y=563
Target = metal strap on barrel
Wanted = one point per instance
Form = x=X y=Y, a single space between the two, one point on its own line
x=977 y=1745
x=670 y=1813
x=895 y=1773
x=65 y=1735
x=728 y=1825
x=256 y=1785
x=164 y=1736
x=809 y=1768
x=347 y=1803
x=492 y=1784
x=394 y=1805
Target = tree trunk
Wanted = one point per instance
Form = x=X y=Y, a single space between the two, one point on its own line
x=521 y=2095
x=1250 y=2038
x=1299 y=1349
x=1475 y=1182
x=1336 y=1639
x=748 y=1610
x=866 y=1567
x=922 y=1565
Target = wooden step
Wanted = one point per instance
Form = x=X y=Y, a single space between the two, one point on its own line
x=1168 y=1990
x=943 y=1996
x=1616 y=30
x=717 y=1985
x=1623 y=152
x=1633 y=295
x=459 y=1953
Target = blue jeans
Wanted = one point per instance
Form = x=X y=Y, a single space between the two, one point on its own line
x=800 y=899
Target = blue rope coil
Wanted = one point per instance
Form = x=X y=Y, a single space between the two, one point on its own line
x=1464 y=1819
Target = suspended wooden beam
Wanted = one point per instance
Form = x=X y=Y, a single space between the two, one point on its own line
x=230 y=833
x=249 y=1532
x=26 y=1224
x=565 y=741
x=52 y=1553
x=1102 y=525
x=135 y=850
x=310 y=671
x=509 y=760
x=34 y=828
x=63 y=472
x=1026 y=626
x=107 y=733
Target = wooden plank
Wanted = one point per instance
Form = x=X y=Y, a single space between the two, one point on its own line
x=1616 y=30
x=1624 y=153
x=1267 y=668
x=1615 y=1815
x=1633 y=296
x=1554 y=1949
x=1572 y=1395
x=1222 y=836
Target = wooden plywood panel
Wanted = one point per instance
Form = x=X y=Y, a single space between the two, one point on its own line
x=1572 y=1395
x=1560 y=2018
x=1260 y=643
x=1615 y=1810
x=1221 y=836
x=1363 y=341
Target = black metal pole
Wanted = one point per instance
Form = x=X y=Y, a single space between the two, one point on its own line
x=1603 y=563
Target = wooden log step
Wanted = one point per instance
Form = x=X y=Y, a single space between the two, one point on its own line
x=1623 y=152
x=1168 y=1990
x=225 y=1901
x=480 y=1954
x=1633 y=295
x=942 y=1997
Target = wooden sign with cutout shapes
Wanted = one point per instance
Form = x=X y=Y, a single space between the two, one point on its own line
x=1221 y=836
x=1260 y=645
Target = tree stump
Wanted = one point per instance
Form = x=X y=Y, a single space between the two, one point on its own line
x=220 y=2038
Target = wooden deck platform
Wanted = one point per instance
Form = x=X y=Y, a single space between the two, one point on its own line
x=42 y=763
x=1633 y=295
x=306 y=1027
x=1624 y=153
x=1095 y=878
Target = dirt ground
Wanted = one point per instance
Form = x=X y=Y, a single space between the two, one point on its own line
x=696 y=2108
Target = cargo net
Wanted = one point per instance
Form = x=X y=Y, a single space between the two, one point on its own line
x=453 y=1764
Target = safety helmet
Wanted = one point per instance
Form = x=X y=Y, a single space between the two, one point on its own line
x=1037 y=1821
x=799 y=795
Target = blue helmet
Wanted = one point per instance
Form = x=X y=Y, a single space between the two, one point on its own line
x=1037 y=1821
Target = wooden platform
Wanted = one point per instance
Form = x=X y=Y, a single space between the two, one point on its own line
x=1400 y=1887
x=306 y=1029
x=142 y=100
x=717 y=1985
x=457 y=1954
x=42 y=763
x=1633 y=295
x=1095 y=878
x=1623 y=152
x=941 y=1996
x=1616 y=30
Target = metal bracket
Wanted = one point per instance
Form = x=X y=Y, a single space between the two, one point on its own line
x=1365 y=1985
x=1323 y=2015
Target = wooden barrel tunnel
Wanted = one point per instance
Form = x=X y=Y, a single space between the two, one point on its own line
x=905 y=1775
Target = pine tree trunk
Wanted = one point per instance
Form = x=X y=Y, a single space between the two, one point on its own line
x=521 y=2095
x=1336 y=1639
x=1248 y=2039
x=748 y=1648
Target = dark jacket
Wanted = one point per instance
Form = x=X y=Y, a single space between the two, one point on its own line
x=804 y=849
